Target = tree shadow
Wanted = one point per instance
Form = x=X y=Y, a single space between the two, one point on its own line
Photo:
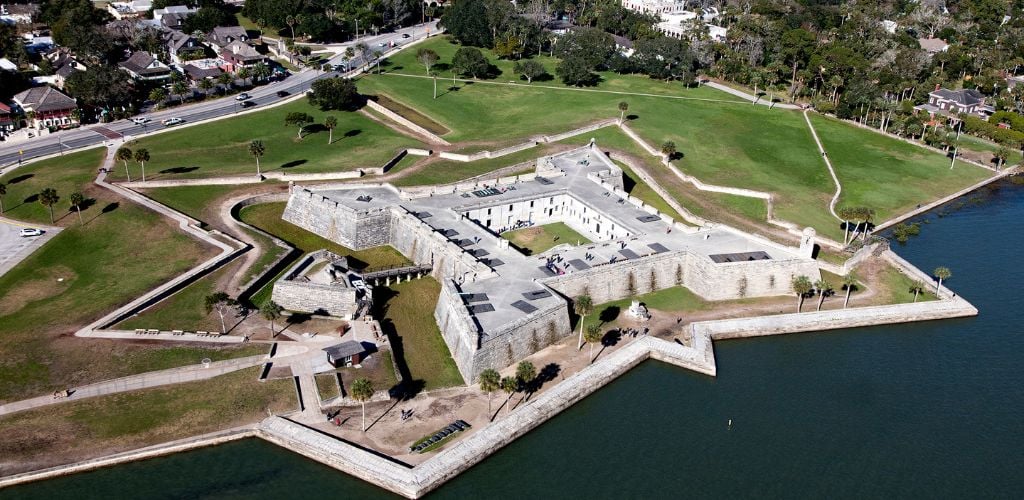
x=611 y=338
x=439 y=67
x=609 y=314
x=109 y=207
x=314 y=129
x=354 y=132
x=678 y=155
x=31 y=198
x=632 y=117
x=83 y=206
x=20 y=178
x=292 y=164
x=178 y=170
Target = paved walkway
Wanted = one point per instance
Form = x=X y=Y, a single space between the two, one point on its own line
x=828 y=163
x=743 y=95
x=190 y=373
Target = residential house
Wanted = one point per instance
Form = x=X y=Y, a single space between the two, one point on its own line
x=142 y=66
x=182 y=47
x=623 y=45
x=196 y=72
x=656 y=6
x=952 y=103
x=222 y=36
x=7 y=123
x=64 y=65
x=47 y=107
x=238 y=55
x=23 y=14
x=130 y=10
x=60 y=76
x=348 y=353
x=173 y=9
x=933 y=45
x=173 y=21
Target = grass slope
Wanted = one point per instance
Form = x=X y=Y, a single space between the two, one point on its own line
x=222 y=147
x=538 y=239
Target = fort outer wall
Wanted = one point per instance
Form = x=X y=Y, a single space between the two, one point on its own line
x=311 y=297
x=474 y=353
x=709 y=280
x=356 y=229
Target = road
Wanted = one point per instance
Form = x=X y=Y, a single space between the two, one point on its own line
x=14 y=248
x=296 y=83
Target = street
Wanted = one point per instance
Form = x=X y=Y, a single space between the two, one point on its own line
x=296 y=83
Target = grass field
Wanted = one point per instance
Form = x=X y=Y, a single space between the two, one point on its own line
x=110 y=424
x=84 y=272
x=66 y=174
x=184 y=310
x=406 y=314
x=447 y=171
x=538 y=239
x=222 y=147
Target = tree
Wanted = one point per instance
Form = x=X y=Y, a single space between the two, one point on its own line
x=427 y=57
x=849 y=283
x=291 y=21
x=574 y=71
x=270 y=312
x=179 y=89
x=261 y=71
x=942 y=273
x=225 y=80
x=331 y=123
x=467 y=22
x=158 y=95
x=220 y=302
x=847 y=214
x=509 y=385
x=205 y=85
x=623 y=107
x=529 y=69
x=801 y=286
x=256 y=149
x=124 y=154
x=824 y=290
x=592 y=337
x=244 y=74
x=142 y=156
x=582 y=305
x=48 y=198
x=916 y=288
x=525 y=374
x=362 y=391
x=76 y=199
x=668 y=149
x=3 y=192
x=299 y=119
x=490 y=381
x=470 y=61
x=335 y=93
x=1001 y=155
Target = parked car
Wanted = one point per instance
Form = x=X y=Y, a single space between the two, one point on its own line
x=139 y=120
x=172 y=121
x=30 y=231
x=282 y=93
x=248 y=104
x=241 y=97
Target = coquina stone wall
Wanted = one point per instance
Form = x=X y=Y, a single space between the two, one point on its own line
x=425 y=246
x=556 y=207
x=356 y=229
x=300 y=296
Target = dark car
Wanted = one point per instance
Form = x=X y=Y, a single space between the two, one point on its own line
x=282 y=93
x=248 y=104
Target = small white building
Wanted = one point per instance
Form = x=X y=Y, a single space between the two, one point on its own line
x=129 y=10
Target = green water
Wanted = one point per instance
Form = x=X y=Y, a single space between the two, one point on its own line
x=927 y=410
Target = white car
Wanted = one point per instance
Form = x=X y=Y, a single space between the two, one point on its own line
x=139 y=120
x=241 y=97
x=172 y=121
x=30 y=231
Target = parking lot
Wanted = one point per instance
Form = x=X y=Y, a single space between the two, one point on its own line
x=14 y=248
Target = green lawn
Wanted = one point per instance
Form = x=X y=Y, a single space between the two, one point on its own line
x=448 y=171
x=980 y=145
x=406 y=314
x=184 y=310
x=84 y=272
x=192 y=201
x=674 y=300
x=66 y=174
x=538 y=239
x=222 y=147
x=886 y=174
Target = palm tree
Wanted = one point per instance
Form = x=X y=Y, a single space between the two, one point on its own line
x=225 y=80
x=801 y=286
x=362 y=391
x=124 y=154
x=330 y=122
x=220 y=302
x=1001 y=155
x=158 y=95
x=623 y=107
x=142 y=156
x=582 y=305
x=362 y=49
x=916 y=288
x=509 y=385
x=48 y=198
x=525 y=375
x=867 y=215
x=592 y=337
x=849 y=283
x=847 y=214
x=490 y=381
x=261 y=71
x=179 y=89
x=942 y=273
x=205 y=85
x=270 y=312
x=3 y=192
x=76 y=200
x=290 y=21
x=256 y=149
x=668 y=149
x=244 y=74
x=824 y=289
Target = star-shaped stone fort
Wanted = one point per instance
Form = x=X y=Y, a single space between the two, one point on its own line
x=498 y=305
